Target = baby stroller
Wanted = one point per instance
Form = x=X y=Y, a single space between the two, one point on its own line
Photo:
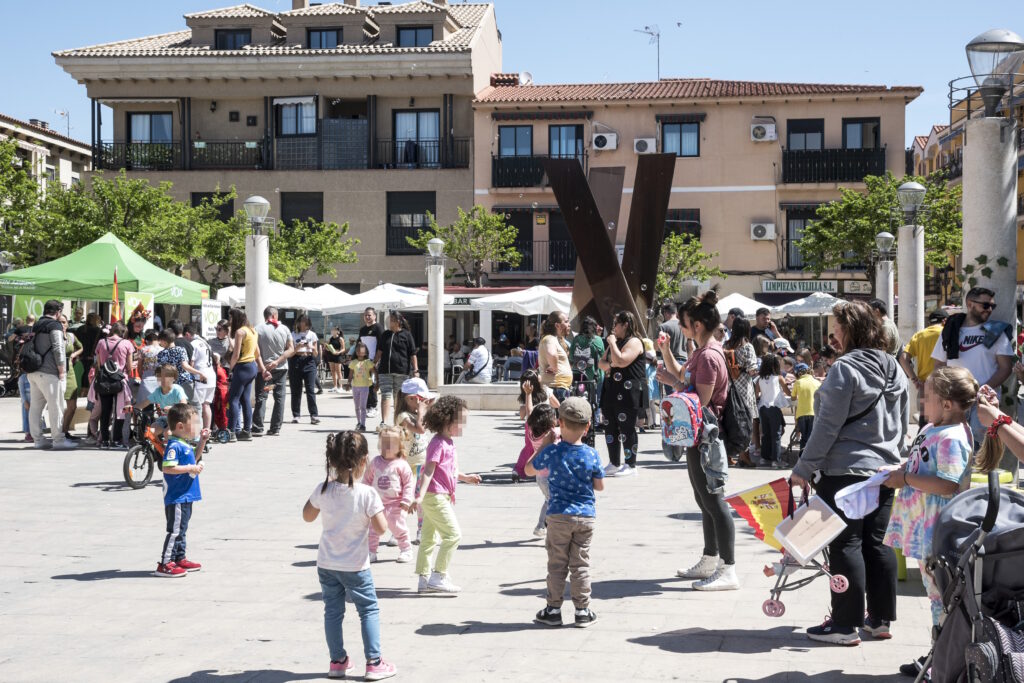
x=977 y=559
x=766 y=508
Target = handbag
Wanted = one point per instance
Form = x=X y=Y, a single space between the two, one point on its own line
x=110 y=377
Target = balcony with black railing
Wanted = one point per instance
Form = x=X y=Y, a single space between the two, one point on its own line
x=540 y=256
x=831 y=165
x=139 y=156
x=524 y=171
x=423 y=153
x=227 y=154
x=954 y=166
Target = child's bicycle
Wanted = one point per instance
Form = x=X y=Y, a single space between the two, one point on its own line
x=145 y=454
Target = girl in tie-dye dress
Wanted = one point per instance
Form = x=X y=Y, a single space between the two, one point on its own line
x=936 y=470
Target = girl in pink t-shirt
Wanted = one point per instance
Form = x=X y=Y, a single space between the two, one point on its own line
x=446 y=417
x=389 y=473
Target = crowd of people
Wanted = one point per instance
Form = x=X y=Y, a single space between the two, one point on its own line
x=852 y=411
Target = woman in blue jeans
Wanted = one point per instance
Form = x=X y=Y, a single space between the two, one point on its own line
x=245 y=364
x=302 y=369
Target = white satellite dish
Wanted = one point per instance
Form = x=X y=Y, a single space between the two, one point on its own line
x=526 y=78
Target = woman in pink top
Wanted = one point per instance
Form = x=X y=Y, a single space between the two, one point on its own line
x=389 y=473
x=120 y=350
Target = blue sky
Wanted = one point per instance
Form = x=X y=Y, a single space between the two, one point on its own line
x=891 y=43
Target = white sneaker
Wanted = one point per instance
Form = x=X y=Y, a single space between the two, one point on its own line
x=440 y=583
x=372 y=412
x=610 y=469
x=404 y=556
x=707 y=566
x=422 y=586
x=724 y=579
x=626 y=471
x=540 y=532
x=373 y=557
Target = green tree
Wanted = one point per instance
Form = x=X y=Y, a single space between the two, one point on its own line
x=682 y=258
x=844 y=231
x=476 y=238
x=305 y=245
x=20 y=201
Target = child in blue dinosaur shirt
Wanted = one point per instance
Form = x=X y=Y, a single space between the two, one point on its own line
x=574 y=473
x=181 y=489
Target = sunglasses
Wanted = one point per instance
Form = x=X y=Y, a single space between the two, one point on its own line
x=985 y=305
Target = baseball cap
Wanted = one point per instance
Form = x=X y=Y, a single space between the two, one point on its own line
x=782 y=344
x=937 y=316
x=414 y=386
x=575 y=409
x=800 y=367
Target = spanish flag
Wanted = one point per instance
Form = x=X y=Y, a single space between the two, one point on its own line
x=763 y=507
x=115 y=306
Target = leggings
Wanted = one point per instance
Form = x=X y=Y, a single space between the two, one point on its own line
x=621 y=428
x=239 y=402
x=359 y=396
x=772 y=426
x=302 y=369
x=107 y=404
x=719 y=532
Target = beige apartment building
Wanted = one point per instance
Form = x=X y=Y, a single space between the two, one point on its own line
x=338 y=112
x=754 y=160
x=47 y=155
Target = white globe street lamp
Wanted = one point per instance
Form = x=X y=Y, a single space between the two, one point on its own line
x=995 y=57
x=257 y=257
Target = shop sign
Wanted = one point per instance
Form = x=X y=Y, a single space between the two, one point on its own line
x=799 y=286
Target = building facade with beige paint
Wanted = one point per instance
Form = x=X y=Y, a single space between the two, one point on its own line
x=47 y=155
x=754 y=160
x=338 y=112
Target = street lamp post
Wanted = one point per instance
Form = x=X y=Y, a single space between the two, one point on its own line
x=257 y=257
x=990 y=166
x=883 y=268
x=910 y=258
x=435 y=315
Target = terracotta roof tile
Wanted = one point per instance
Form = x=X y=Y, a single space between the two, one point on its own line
x=42 y=131
x=245 y=11
x=921 y=141
x=683 y=88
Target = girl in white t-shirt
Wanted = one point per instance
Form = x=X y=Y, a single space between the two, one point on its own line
x=772 y=396
x=349 y=508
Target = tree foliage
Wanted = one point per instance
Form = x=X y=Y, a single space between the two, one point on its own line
x=174 y=235
x=843 y=233
x=682 y=258
x=476 y=238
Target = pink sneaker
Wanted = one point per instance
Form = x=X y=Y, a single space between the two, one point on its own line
x=338 y=669
x=379 y=671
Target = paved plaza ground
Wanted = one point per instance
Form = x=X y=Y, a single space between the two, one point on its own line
x=78 y=601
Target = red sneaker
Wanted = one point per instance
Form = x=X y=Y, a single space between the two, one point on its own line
x=169 y=571
x=188 y=565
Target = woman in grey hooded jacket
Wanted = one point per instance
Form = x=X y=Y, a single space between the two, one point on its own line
x=860 y=422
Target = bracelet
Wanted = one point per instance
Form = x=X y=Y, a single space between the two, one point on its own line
x=993 y=431
x=905 y=482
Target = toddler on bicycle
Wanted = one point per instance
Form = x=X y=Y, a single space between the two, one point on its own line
x=164 y=396
x=181 y=489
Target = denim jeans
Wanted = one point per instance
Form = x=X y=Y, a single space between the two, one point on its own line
x=333 y=584
x=239 y=407
x=259 y=411
x=25 y=392
x=302 y=370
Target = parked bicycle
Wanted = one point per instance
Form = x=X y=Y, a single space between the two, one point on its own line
x=146 y=452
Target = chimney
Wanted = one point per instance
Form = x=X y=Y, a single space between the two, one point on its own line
x=38 y=123
x=300 y=4
x=352 y=3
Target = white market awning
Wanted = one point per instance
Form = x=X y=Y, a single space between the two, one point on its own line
x=818 y=303
x=538 y=300
x=737 y=300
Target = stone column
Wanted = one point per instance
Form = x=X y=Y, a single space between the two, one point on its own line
x=990 y=212
x=910 y=257
x=257 y=276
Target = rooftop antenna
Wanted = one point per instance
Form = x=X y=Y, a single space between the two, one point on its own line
x=526 y=78
x=66 y=115
x=655 y=34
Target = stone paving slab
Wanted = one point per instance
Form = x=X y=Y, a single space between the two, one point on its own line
x=77 y=599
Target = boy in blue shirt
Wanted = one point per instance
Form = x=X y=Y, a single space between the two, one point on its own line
x=574 y=473
x=181 y=489
x=164 y=396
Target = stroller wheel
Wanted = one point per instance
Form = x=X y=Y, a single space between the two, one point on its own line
x=223 y=436
x=773 y=608
x=839 y=583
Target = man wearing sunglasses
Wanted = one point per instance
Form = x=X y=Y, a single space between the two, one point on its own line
x=980 y=345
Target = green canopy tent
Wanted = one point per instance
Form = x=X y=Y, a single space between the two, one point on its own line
x=88 y=274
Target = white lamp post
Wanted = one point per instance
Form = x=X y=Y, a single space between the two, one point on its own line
x=435 y=315
x=910 y=257
x=883 y=268
x=257 y=257
x=990 y=166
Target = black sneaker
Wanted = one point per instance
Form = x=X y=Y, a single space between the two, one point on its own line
x=314 y=420
x=913 y=668
x=549 y=616
x=232 y=437
x=256 y=432
x=877 y=628
x=585 y=617
x=828 y=632
x=273 y=432
x=244 y=436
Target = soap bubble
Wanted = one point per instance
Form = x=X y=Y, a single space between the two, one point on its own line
x=581 y=388
x=551 y=267
x=617 y=376
x=627 y=384
x=643 y=288
x=582 y=365
x=619 y=397
x=520 y=195
x=622 y=417
x=650 y=312
x=611 y=225
x=609 y=438
x=535 y=205
x=622 y=438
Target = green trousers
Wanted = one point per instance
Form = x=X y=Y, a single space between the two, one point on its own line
x=438 y=520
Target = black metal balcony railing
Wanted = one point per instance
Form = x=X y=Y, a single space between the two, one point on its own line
x=954 y=167
x=523 y=171
x=556 y=256
x=140 y=156
x=831 y=165
x=225 y=154
x=423 y=153
x=1020 y=205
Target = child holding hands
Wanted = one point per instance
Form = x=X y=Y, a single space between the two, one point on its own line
x=349 y=509
x=446 y=417
x=390 y=475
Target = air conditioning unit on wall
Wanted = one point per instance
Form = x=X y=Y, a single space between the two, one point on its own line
x=763 y=132
x=762 y=231
x=604 y=141
x=645 y=145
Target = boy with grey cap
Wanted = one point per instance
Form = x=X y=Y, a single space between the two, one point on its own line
x=574 y=473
